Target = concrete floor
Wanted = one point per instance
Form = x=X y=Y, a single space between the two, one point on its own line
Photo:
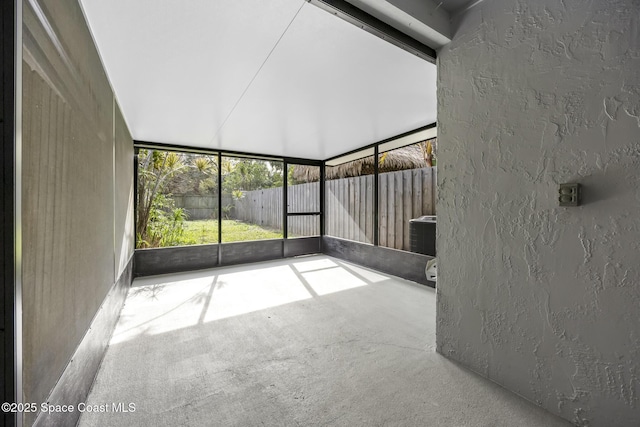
x=306 y=341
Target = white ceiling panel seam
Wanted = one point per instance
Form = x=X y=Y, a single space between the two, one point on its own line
x=258 y=71
x=328 y=86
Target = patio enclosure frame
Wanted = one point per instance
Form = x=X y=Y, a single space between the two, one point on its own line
x=151 y=261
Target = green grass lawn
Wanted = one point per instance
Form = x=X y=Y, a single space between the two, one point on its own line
x=206 y=231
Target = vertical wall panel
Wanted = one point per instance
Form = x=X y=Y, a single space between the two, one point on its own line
x=68 y=235
x=73 y=206
x=123 y=195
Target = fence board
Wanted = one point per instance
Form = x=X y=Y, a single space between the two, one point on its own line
x=434 y=190
x=336 y=207
x=344 y=207
x=399 y=215
x=336 y=213
x=341 y=224
x=417 y=192
x=427 y=202
x=382 y=212
x=407 y=206
x=391 y=216
x=328 y=205
x=370 y=207
x=351 y=208
x=357 y=212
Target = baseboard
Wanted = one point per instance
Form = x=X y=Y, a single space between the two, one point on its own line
x=155 y=261
x=76 y=380
x=407 y=265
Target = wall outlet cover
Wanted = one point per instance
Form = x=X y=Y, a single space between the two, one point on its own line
x=569 y=194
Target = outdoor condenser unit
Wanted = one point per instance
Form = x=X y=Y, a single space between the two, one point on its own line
x=423 y=235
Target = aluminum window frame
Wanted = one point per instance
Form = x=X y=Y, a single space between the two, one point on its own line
x=237 y=154
x=388 y=144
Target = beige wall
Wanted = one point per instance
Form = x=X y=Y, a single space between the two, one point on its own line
x=542 y=299
x=124 y=193
x=77 y=217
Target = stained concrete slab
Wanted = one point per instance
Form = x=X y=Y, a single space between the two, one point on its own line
x=304 y=341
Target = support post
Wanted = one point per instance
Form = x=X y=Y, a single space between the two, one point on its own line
x=10 y=208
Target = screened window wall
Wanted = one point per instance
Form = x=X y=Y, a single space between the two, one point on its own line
x=406 y=186
x=385 y=194
x=303 y=200
x=177 y=199
x=183 y=199
x=252 y=200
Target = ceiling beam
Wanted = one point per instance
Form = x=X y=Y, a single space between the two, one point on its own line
x=423 y=20
x=376 y=26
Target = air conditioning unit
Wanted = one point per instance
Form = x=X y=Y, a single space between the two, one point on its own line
x=423 y=235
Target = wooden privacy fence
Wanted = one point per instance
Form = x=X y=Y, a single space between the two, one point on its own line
x=201 y=207
x=403 y=195
x=349 y=206
x=264 y=207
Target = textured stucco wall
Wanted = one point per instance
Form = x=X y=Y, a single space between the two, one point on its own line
x=544 y=300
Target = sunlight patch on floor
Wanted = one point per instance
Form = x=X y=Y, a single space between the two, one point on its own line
x=171 y=302
x=328 y=281
x=253 y=290
x=165 y=306
x=304 y=265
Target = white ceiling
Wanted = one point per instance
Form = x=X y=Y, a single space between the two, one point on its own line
x=279 y=77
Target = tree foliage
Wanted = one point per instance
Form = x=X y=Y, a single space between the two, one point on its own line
x=155 y=168
x=250 y=174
